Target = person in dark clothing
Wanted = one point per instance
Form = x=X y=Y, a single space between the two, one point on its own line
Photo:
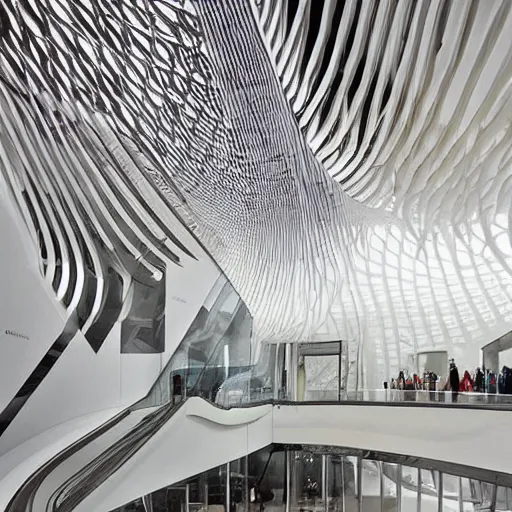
x=177 y=389
x=479 y=381
x=401 y=380
x=454 y=380
x=501 y=382
x=507 y=377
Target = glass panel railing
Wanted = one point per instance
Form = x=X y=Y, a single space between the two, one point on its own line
x=440 y=397
x=216 y=348
x=237 y=397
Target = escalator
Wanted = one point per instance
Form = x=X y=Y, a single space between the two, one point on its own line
x=92 y=473
x=89 y=460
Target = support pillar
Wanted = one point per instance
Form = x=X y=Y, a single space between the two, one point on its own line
x=292 y=361
x=228 y=487
x=288 y=480
x=440 y=493
x=325 y=481
x=359 y=484
x=419 y=493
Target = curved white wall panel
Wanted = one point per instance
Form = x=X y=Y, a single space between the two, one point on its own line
x=81 y=381
x=29 y=320
x=228 y=418
x=436 y=433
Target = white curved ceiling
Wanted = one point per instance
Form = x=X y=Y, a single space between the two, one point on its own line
x=346 y=163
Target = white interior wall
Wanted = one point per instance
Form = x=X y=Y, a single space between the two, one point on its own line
x=81 y=381
x=25 y=307
x=449 y=434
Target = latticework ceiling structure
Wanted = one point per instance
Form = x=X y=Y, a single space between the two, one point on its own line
x=347 y=163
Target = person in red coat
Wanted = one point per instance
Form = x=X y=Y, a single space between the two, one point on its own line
x=466 y=383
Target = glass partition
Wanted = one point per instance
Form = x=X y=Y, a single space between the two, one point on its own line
x=216 y=347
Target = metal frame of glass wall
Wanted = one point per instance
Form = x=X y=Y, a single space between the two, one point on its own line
x=297 y=478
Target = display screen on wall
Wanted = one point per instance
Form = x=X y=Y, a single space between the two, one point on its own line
x=143 y=330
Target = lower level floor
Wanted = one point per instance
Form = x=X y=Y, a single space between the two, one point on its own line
x=281 y=478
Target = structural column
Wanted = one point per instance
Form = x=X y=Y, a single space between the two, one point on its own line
x=228 y=487
x=292 y=360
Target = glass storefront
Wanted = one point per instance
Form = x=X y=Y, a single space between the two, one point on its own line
x=313 y=479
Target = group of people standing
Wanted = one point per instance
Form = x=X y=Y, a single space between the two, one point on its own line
x=480 y=381
x=468 y=383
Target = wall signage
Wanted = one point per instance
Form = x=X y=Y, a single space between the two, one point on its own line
x=16 y=334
